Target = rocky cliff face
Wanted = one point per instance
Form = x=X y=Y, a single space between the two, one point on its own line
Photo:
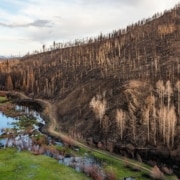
x=115 y=91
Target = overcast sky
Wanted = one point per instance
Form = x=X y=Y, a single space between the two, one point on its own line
x=25 y=25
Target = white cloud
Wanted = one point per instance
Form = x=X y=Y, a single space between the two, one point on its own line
x=43 y=21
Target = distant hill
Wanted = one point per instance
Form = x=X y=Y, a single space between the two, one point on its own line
x=117 y=90
x=2 y=57
x=8 y=57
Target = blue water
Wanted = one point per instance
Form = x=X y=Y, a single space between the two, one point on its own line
x=5 y=122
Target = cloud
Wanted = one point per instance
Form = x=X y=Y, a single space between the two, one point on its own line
x=45 y=21
x=41 y=23
x=36 y=23
x=112 y=2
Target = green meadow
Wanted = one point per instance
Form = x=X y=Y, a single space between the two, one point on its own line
x=24 y=166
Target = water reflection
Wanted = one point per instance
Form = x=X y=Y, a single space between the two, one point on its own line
x=30 y=112
x=5 y=122
x=27 y=119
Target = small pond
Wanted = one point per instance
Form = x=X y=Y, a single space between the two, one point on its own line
x=10 y=122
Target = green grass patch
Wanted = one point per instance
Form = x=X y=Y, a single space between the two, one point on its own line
x=24 y=166
x=123 y=169
x=3 y=99
x=64 y=150
x=25 y=121
x=80 y=152
x=120 y=168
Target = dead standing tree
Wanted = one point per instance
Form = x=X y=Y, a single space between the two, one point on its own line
x=120 y=119
x=98 y=105
x=178 y=90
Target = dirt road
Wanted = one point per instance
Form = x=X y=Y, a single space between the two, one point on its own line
x=53 y=132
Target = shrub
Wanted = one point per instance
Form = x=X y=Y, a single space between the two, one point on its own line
x=167 y=170
x=156 y=173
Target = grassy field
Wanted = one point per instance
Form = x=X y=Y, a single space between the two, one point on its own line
x=3 y=99
x=24 y=166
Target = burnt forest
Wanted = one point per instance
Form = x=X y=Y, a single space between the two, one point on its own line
x=119 y=92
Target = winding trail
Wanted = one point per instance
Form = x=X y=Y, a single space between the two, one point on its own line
x=50 y=109
x=53 y=132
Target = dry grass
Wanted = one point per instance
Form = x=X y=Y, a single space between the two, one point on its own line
x=156 y=173
x=167 y=170
x=134 y=84
x=166 y=29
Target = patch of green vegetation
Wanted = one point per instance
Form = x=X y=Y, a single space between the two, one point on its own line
x=3 y=99
x=39 y=138
x=77 y=151
x=23 y=165
x=81 y=152
x=64 y=149
x=121 y=169
x=25 y=121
